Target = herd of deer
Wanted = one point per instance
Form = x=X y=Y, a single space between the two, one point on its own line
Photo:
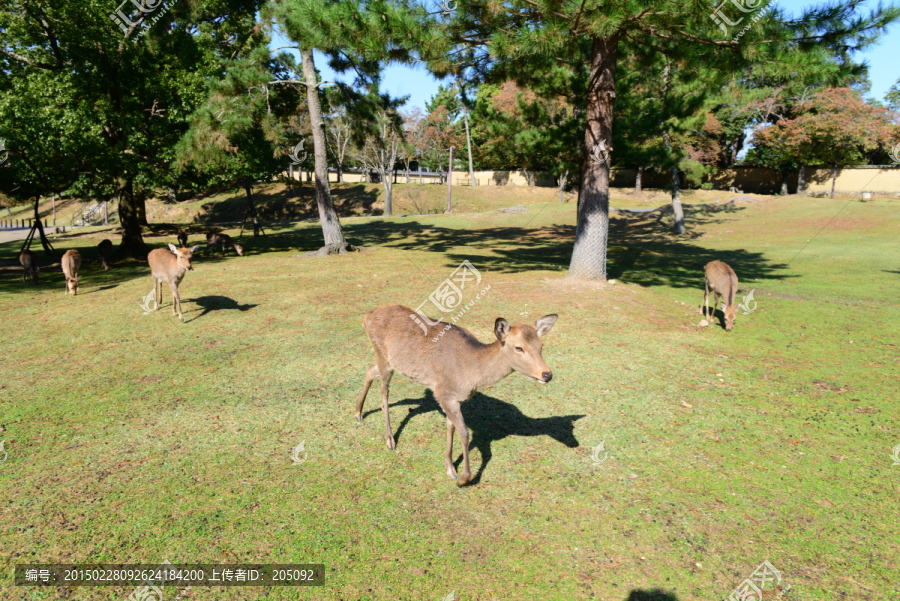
x=165 y=265
x=454 y=370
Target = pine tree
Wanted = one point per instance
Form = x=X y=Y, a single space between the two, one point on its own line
x=536 y=41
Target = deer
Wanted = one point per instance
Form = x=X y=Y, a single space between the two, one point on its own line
x=225 y=241
x=182 y=239
x=454 y=367
x=105 y=250
x=29 y=262
x=722 y=282
x=71 y=262
x=170 y=266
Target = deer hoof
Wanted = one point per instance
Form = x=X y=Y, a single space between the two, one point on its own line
x=463 y=481
x=391 y=445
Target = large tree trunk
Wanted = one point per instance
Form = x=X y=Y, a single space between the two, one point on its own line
x=331 y=226
x=676 y=202
x=784 y=183
x=340 y=173
x=801 y=180
x=592 y=231
x=132 y=243
x=472 y=180
x=834 y=171
x=637 y=180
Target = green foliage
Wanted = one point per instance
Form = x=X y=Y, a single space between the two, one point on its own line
x=892 y=98
x=237 y=137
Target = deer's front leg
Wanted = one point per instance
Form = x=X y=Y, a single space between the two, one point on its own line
x=455 y=420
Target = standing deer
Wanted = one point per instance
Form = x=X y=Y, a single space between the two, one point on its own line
x=170 y=267
x=182 y=239
x=225 y=241
x=105 y=249
x=454 y=367
x=722 y=282
x=71 y=262
x=29 y=262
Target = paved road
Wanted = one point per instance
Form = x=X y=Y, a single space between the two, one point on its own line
x=7 y=235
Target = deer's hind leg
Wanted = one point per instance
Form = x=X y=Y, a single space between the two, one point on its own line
x=370 y=377
x=386 y=373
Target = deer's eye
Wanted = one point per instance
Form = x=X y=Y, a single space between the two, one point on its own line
x=519 y=349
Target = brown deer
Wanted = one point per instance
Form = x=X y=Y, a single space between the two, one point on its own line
x=166 y=266
x=225 y=241
x=105 y=250
x=29 y=262
x=454 y=367
x=71 y=262
x=722 y=282
x=182 y=239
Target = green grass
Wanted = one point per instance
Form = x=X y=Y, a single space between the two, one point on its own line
x=133 y=438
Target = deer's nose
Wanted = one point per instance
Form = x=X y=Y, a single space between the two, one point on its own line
x=547 y=376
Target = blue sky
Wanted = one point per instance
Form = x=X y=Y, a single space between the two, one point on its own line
x=420 y=86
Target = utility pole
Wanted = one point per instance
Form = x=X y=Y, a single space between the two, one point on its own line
x=450 y=183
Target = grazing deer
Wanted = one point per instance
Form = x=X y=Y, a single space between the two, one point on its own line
x=105 y=249
x=182 y=239
x=170 y=267
x=29 y=262
x=454 y=367
x=225 y=241
x=71 y=262
x=722 y=282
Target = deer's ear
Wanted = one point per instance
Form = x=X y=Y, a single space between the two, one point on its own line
x=173 y=249
x=544 y=324
x=501 y=329
x=194 y=248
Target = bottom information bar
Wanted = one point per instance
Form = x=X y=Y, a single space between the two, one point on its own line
x=167 y=574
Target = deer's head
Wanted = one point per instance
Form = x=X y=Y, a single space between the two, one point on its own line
x=730 y=314
x=183 y=256
x=521 y=345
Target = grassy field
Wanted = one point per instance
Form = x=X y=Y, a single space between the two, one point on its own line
x=133 y=438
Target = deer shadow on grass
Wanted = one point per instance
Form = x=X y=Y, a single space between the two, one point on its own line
x=218 y=303
x=100 y=289
x=654 y=595
x=490 y=420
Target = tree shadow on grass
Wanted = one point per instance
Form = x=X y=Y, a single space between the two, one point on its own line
x=218 y=303
x=642 y=249
x=490 y=420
